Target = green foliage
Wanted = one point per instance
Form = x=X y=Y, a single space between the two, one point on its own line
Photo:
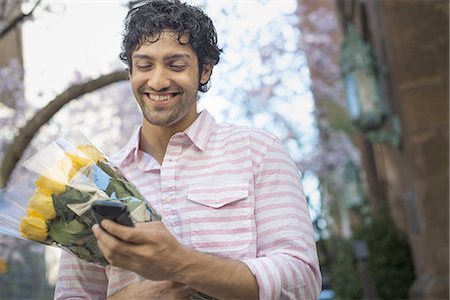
x=344 y=277
x=337 y=117
x=65 y=233
x=390 y=260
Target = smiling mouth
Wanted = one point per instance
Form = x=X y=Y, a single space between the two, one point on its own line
x=159 y=97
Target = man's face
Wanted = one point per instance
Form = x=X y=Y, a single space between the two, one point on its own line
x=165 y=79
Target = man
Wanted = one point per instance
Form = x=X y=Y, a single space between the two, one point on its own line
x=235 y=224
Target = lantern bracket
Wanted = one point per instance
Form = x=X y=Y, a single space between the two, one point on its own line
x=391 y=136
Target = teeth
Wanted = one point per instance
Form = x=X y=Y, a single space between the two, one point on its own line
x=155 y=97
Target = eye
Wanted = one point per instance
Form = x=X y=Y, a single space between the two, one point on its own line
x=178 y=68
x=144 y=67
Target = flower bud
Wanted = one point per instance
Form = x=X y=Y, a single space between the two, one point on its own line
x=49 y=186
x=77 y=161
x=33 y=228
x=92 y=152
x=43 y=204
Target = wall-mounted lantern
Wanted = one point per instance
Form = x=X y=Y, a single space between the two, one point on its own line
x=365 y=106
x=353 y=191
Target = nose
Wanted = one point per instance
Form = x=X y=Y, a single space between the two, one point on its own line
x=158 y=79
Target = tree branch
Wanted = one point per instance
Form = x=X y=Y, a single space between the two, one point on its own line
x=17 y=147
x=18 y=20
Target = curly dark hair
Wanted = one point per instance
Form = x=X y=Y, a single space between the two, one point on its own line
x=150 y=18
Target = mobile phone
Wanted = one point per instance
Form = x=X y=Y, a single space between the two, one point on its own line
x=112 y=210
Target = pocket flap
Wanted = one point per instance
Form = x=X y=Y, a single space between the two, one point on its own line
x=217 y=196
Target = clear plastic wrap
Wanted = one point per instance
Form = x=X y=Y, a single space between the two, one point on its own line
x=73 y=173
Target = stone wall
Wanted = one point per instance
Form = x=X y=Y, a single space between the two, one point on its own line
x=410 y=42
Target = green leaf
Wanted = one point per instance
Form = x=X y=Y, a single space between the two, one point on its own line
x=82 y=252
x=110 y=171
x=132 y=190
x=132 y=203
x=116 y=186
x=65 y=233
x=70 y=196
x=87 y=218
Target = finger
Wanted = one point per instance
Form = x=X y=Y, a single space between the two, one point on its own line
x=112 y=227
x=124 y=233
x=98 y=231
x=142 y=233
x=108 y=242
x=114 y=251
x=101 y=234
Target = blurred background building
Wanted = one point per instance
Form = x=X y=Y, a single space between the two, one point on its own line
x=393 y=61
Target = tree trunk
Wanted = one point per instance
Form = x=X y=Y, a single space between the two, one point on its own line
x=17 y=147
x=17 y=20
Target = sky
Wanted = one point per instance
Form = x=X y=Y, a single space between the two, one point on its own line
x=73 y=36
x=81 y=38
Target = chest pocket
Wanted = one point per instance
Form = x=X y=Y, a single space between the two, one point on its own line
x=221 y=217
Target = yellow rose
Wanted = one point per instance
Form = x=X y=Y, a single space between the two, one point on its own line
x=55 y=178
x=91 y=152
x=48 y=186
x=77 y=161
x=43 y=204
x=33 y=228
x=32 y=213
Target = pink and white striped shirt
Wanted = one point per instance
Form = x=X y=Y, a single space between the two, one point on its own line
x=222 y=189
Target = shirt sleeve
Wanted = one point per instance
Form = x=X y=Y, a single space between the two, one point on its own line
x=286 y=266
x=80 y=280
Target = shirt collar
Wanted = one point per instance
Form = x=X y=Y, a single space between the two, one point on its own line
x=130 y=149
x=199 y=133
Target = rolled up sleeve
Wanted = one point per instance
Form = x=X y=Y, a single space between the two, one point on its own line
x=286 y=266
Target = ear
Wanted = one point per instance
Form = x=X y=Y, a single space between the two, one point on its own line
x=206 y=73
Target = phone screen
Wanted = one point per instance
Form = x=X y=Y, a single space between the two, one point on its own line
x=112 y=210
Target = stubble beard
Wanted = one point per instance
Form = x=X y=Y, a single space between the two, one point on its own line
x=166 y=116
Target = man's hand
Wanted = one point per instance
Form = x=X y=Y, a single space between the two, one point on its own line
x=151 y=251
x=148 y=249
x=154 y=290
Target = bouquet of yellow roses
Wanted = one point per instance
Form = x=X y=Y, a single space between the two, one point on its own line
x=72 y=175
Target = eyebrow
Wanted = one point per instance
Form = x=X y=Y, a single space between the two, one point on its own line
x=166 y=58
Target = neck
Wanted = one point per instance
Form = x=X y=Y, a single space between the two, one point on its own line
x=154 y=139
